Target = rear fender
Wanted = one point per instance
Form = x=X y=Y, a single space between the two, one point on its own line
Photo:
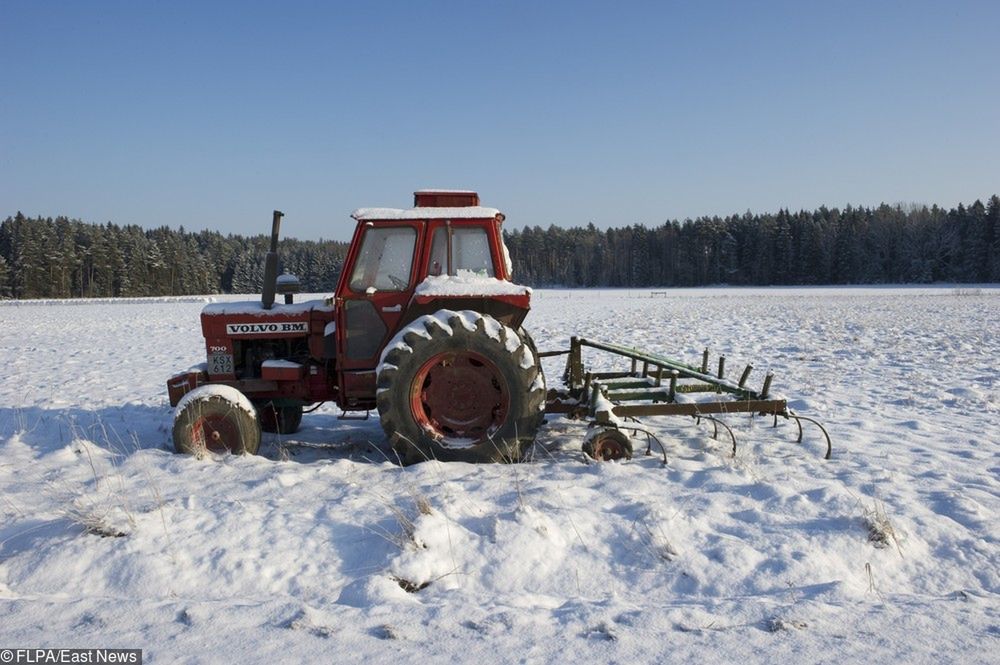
x=507 y=309
x=181 y=384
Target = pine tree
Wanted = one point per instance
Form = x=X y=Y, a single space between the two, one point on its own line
x=248 y=276
x=4 y=276
x=976 y=240
x=993 y=223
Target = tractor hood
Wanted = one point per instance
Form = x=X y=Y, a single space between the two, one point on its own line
x=254 y=308
x=248 y=319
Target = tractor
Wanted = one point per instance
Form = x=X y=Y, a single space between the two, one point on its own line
x=426 y=326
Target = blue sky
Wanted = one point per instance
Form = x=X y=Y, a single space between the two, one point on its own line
x=211 y=115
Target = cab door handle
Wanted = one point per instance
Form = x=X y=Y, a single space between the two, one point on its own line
x=396 y=308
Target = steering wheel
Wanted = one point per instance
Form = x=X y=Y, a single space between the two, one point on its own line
x=397 y=282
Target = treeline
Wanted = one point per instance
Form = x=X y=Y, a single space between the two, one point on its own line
x=67 y=258
x=887 y=244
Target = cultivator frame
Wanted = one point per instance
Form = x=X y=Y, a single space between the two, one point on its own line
x=613 y=401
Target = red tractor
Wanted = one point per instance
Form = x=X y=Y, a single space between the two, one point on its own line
x=425 y=326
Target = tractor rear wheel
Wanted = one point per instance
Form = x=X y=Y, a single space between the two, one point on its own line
x=279 y=419
x=216 y=419
x=460 y=386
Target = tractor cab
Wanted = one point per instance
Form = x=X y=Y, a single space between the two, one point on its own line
x=445 y=252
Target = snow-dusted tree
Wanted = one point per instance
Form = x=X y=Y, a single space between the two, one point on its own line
x=4 y=276
x=248 y=275
x=993 y=222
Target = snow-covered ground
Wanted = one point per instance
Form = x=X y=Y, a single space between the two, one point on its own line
x=321 y=549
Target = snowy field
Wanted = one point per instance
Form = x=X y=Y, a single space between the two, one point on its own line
x=321 y=549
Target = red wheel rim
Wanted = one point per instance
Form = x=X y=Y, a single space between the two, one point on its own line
x=459 y=395
x=216 y=433
x=608 y=447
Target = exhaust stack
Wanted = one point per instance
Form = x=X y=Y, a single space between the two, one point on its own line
x=271 y=264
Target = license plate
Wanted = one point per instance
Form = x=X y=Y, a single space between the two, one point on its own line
x=220 y=363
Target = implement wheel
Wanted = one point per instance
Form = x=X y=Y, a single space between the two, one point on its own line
x=460 y=386
x=216 y=419
x=607 y=445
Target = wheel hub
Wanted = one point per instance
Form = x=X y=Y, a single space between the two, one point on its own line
x=459 y=395
x=609 y=445
x=215 y=433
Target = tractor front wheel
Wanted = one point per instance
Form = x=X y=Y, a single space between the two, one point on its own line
x=216 y=419
x=460 y=386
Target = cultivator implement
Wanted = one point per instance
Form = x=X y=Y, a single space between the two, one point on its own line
x=657 y=386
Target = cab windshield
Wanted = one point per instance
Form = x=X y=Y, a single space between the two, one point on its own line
x=385 y=259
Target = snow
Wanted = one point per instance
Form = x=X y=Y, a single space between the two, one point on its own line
x=417 y=327
x=227 y=393
x=442 y=318
x=887 y=551
x=41 y=302
x=508 y=264
x=468 y=283
x=280 y=364
x=254 y=308
x=464 y=212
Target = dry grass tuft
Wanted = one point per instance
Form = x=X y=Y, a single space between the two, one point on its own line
x=100 y=518
x=408 y=586
x=881 y=533
x=778 y=624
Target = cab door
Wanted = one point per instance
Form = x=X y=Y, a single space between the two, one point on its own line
x=371 y=304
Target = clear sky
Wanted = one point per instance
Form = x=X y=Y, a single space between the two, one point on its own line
x=211 y=114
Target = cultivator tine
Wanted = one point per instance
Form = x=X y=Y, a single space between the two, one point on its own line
x=826 y=435
x=717 y=422
x=745 y=375
x=650 y=437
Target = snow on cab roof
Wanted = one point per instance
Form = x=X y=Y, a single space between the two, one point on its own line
x=444 y=191
x=467 y=212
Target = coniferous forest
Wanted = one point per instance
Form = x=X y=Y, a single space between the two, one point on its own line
x=66 y=258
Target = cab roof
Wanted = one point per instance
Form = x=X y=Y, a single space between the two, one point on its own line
x=466 y=212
